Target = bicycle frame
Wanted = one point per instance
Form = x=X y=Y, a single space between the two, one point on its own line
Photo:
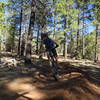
x=53 y=65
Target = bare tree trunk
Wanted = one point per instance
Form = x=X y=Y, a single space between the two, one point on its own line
x=97 y=31
x=54 y=28
x=78 y=34
x=96 y=43
x=65 y=47
x=65 y=40
x=83 y=46
x=22 y=47
x=83 y=36
x=13 y=43
x=72 y=45
x=0 y=50
x=30 y=35
x=23 y=41
x=37 y=42
x=0 y=45
x=54 y=22
x=19 y=42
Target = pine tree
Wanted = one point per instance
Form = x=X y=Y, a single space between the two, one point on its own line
x=30 y=35
x=20 y=29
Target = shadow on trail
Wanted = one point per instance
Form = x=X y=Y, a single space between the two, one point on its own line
x=35 y=82
x=92 y=73
x=75 y=86
x=7 y=94
x=71 y=89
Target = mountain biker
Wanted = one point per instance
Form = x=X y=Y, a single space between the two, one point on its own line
x=50 y=46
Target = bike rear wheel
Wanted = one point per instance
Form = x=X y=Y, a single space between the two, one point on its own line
x=54 y=68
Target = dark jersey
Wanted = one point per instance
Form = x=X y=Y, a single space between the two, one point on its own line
x=49 y=43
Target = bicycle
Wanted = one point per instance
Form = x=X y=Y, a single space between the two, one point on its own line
x=53 y=64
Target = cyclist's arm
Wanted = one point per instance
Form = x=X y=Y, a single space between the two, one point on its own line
x=56 y=45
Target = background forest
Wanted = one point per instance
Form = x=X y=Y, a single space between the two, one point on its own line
x=73 y=24
x=25 y=71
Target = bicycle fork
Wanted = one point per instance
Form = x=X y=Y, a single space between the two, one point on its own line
x=54 y=69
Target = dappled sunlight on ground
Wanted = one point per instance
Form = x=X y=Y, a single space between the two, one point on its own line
x=71 y=89
x=77 y=80
x=24 y=86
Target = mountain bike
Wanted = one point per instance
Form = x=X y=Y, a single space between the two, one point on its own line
x=53 y=64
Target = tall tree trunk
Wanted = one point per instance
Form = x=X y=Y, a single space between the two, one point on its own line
x=77 y=51
x=0 y=50
x=97 y=31
x=65 y=39
x=54 y=22
x=22 y=46
x=96 y=44
x=13 y=39
x=37 y=42
x=30 y=35
x=13 y=43
x=19 y=42
x=71 y=44
x=54 y=30
x=23 y=42
x=65 y=46
x=0 y=45
x=83 y=46
x=78 y=33
x=83 y=35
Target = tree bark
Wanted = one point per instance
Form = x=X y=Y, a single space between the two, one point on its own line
x=19 y=42
x=37 y=42
x=0 y=50
x=96 y=43
x=65 y=39
x=22 y=47
x=78 y=34
x=65 y=47
x=30 y=35
x=83 y=35
x=97 y=31
x=54 y=21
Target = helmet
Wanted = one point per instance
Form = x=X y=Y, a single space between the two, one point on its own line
x=43 y=35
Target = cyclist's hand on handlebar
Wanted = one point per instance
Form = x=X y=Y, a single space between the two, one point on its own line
x=55 y=46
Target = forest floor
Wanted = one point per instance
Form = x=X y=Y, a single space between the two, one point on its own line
x=79 y=79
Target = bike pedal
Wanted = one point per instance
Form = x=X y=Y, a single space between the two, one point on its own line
x=56 y=77
x=59 y=67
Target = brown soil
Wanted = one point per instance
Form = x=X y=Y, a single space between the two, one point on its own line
x=78 y=80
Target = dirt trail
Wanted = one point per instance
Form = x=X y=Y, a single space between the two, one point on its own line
x=35 y=82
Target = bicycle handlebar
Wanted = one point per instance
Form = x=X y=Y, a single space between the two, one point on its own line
x=49 y=49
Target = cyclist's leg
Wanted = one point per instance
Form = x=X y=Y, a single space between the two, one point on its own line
x=48 y=56
x=55 y=55
x=56 y=58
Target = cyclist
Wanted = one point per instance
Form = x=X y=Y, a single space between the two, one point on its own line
x=50 y=46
